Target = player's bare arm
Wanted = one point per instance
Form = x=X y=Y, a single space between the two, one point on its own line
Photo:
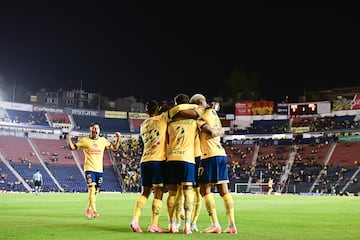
x=188 y=113
x=212 y=132
x=116 y=145
x=70 y=143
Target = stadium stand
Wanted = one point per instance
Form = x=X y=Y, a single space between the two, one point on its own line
x=344 y=154
x=57 y=162
x=135 y=124
x=17 y=150
x=25 y=117
x=54 y=151
x=59 y=117
x=271 y=126
x=315 y=164
x=108 y=125
x=8 y=181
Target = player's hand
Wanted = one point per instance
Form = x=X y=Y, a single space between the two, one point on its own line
x=118 y=135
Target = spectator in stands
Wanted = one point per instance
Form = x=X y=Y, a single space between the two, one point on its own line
x=38 y=181
x=93 y=147
x=214 y=170
x=152 y=166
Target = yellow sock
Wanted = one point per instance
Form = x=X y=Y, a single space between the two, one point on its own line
x=170 y=203
x=179 y=203
x=188 y=204
x=139 y=205
x=156 y=210
x=197 y=205
x=92 y=198
x=229 y=208
x=211 y=208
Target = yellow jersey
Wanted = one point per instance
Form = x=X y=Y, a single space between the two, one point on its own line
x=181 y=140
x=211 y=146
x=94 y=152
x=153 y=134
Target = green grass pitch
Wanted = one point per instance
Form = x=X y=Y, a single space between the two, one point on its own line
x=258 y=217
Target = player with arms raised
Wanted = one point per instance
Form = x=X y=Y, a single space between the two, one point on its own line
x=93 y=147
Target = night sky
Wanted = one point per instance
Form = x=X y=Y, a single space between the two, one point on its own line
x=156 y=49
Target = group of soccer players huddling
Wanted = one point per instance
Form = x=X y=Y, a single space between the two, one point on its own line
x=183 y=153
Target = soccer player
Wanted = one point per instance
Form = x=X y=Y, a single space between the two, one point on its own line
x=196 y=187
x=93 y=147
x=181 y=159
x=270 y=186
x=181 y=165
x=153 y=132
x=152 y=166
x=38 y=181
x=179 y=199
x=213 y=170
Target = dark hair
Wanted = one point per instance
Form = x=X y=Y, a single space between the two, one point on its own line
x=151 y=107
x=163 y=108
x=181 y=98
x=94 y=123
